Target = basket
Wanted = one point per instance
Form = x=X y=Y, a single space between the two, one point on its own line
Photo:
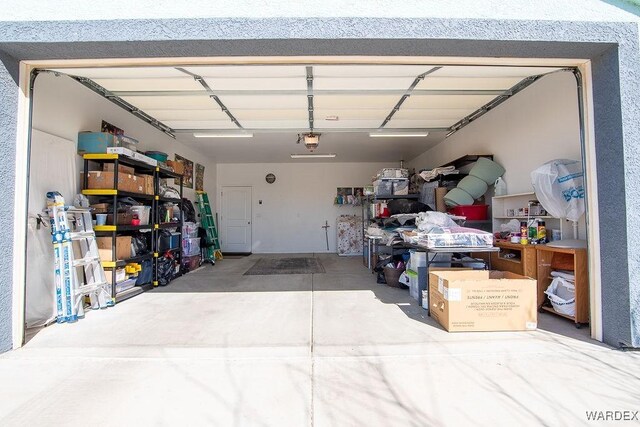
x=472 y=212
x=392 y=277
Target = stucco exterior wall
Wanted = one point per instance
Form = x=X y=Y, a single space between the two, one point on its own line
x=612 y=46
x=8 y=125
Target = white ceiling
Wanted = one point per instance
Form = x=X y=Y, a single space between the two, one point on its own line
x=271 y=101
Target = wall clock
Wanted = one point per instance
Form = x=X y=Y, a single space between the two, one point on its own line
x=270 y=178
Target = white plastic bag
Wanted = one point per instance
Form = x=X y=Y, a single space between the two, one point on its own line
x=562 y=295
x=559 y=186
x=404 y=279
x=427 y=221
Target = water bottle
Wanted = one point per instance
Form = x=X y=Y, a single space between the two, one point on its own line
x=500 y=187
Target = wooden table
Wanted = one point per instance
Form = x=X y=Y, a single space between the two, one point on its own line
x=573 y=259
x=524 y=261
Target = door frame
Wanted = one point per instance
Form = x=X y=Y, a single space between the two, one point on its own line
x=222 y=219
x=23 y=136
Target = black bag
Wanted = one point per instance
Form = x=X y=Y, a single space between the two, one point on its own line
x=188 y=211
x=166 y=270
x=140 y=243
x=146 y=274
x=406 y=206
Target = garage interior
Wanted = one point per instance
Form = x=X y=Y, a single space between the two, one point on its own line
x=217 y=311
x=242 y=123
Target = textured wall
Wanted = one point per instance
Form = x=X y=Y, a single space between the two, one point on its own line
x=578 y=36
x=8 y=126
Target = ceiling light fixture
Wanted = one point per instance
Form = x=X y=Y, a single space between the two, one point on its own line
x=313 y=156
x=398 y=134
x=311 y=140
x=222 y=135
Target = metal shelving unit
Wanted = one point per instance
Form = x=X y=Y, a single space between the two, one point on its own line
x=160 y=174
x=114 y=230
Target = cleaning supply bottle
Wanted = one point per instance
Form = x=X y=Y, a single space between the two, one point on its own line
x=524 y=233
x=542 y=232
x=500 y=187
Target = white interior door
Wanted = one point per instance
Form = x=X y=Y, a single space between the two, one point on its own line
x=236 y=219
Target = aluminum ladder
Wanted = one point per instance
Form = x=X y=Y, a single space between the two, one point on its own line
x=72 y=232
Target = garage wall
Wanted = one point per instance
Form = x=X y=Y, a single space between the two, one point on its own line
x=295 y=207
x=539 y=124
x=536 y=125
x=63 y=107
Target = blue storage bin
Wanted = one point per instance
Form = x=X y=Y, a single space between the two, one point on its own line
x=169 y=240
x=95 y=142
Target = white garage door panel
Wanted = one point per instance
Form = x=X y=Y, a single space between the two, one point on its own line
x=368 y=83
x=173 y=102
x=370 y=70
x=443 y=101
x=238 y=71
x=261 y=84
x=176 y=115
x=468 y=83
x=174 y=83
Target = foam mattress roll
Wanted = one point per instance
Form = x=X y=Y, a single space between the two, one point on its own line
x=473 y=185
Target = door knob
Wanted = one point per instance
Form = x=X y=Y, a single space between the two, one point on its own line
x=249 y=222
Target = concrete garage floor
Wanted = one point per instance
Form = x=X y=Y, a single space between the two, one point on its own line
x=334 y=349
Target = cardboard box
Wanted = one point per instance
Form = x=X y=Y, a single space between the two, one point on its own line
x=120 y=275
x=178 y=167
x=101 y=207
x=478 y=300
x=147 y=183
x=123 y=218
x=132 y=155
x=104 y=180
x=110 y=167
x=123 y=248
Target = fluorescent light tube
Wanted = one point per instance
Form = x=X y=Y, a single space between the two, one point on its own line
x=313 y=155
x=398 y=134
x=222 y=135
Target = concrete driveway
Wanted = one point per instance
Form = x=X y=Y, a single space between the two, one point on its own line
x=334 y=349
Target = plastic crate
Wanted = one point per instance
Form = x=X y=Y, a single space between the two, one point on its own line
x=191 y=246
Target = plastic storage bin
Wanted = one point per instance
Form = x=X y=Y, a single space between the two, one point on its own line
x=126 y=285
x=169 y=240
x=401 y=187
x=143 y=212
x=191 y=246
x=472 y=212
x=95 y=142
x=383 y=188
x=393 y=173
x=189 y=230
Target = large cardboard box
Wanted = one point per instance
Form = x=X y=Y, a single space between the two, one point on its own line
x=477 y=300
x=104 y=180
x=123 y=218
x=123 y=248
x=147 y=181
x=178 y=167
x=110 y=167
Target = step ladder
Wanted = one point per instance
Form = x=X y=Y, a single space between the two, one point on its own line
x=72 y=233
x=212 y=250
